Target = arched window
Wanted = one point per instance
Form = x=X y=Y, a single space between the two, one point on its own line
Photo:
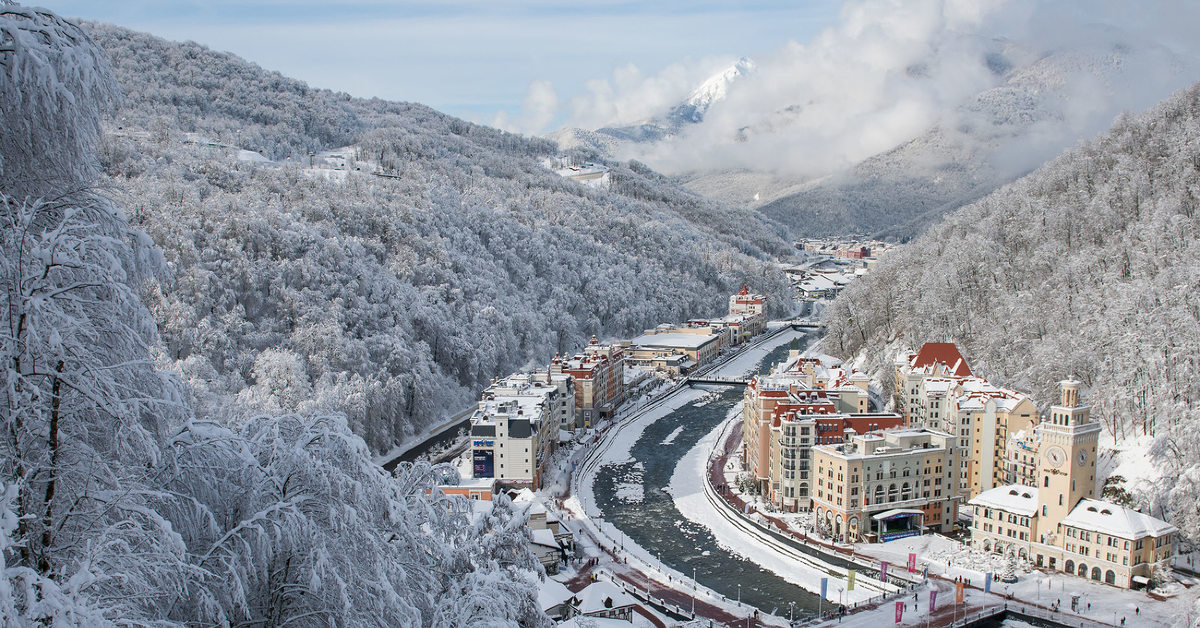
x=1082 y=570
x=892 y=493
x=1069 y=567
x=1110 y=577
x=1096 y=574
x=906 y=491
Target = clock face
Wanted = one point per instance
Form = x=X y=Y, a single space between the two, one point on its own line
x=1055 y=456
x=1082 y=457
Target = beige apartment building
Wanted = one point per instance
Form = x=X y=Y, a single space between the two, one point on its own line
x=886 y=485
x=1056 y=523
x=935 y=389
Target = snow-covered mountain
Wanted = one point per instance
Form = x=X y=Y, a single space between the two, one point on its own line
x=711 y=91
x=620 y=142
x=990 y=139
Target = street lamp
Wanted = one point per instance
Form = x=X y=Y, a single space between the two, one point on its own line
x=693 y=592
x=791 y=612
x=739 y=595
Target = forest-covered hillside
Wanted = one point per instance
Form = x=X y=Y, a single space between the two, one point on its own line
x=1086 y=268
x=120 y=504
x=393 y=300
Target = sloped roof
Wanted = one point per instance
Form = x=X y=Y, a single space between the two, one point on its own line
x=1015 y=498
x=932 y=353
x=591 y=599
x=551 y=593
x=1114 y=520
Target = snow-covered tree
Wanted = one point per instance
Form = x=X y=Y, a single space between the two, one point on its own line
x=48 y=64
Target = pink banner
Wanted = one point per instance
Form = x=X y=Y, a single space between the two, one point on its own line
x=932 y=600
x=899 y=611
x=883 y=571
x=912 y=562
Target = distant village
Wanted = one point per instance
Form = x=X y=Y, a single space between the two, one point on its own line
x=831 y=265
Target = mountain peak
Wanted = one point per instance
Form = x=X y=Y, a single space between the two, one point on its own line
x=714 y=89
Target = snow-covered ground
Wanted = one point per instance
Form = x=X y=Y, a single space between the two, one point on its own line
x=746 y=362
x=951 y=559
x=695 y=500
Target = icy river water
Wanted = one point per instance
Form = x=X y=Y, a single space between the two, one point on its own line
x=649 y=516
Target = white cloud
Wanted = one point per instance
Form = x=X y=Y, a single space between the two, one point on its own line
x=887 y=71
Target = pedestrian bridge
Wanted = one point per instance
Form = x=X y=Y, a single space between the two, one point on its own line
x=720 y=381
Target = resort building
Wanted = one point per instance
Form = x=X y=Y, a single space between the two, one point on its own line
x=796 y=426
x=935 y=359
x=1056 y=523
x=935 y=389
x=517 y=424
x=801 y=403
x=886 y=485
x=987 y=416
x=674 y=349
x=599 y=374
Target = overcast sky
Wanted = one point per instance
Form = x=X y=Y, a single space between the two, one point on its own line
x=470 y=58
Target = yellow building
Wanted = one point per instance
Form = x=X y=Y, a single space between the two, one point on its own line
x=1056 y=524
x=886 y=485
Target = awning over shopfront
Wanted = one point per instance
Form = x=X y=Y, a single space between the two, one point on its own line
x=896 y=513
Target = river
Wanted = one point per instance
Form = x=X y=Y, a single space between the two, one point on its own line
x=649 y=517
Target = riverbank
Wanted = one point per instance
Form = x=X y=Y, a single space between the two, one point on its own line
x=613 y=450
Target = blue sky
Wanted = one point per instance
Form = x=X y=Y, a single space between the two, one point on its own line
x=470 y=58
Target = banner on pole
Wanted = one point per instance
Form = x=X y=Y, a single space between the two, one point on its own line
x=912 y=562
x=883 y=570
x=824 y=587
x=987 y=582
x=958 y=593
x=932 y=600
x=850 y=580
x=899 y=611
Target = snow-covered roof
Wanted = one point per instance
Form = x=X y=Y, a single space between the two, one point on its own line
x=673 y=340
x=524 y=496
x=580 y=621
x=545 y=537
x=591 y=599
x=1114 y=520
x=551 y=593
x=1015 y=498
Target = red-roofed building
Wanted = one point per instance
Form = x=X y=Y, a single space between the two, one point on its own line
x=935 y=359
x=599 y=374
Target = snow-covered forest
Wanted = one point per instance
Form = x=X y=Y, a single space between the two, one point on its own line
x=393 y=300
x=1086 y=268
x=120 y=504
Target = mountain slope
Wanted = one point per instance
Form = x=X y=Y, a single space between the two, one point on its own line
x=992 y=138
x=1086 y=268
x=390 y=298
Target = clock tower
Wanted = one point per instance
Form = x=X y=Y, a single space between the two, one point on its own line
x=1066 y=466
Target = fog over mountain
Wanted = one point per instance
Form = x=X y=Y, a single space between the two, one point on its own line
x=907 y=109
